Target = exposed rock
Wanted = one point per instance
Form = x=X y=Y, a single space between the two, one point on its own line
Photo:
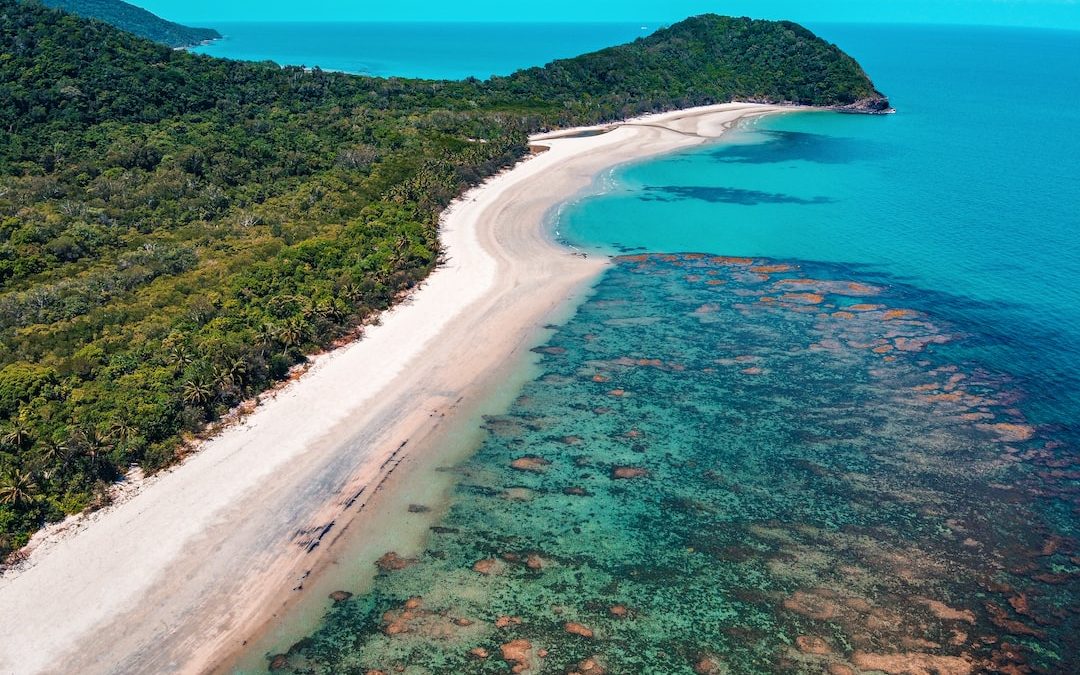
x=462 y=621
x=340 y=596
x=534 y=562
x=578 y=629
x=618 y=611
x=874 y=105
x=479 y=652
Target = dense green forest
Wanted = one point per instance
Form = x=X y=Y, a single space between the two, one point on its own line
x=177 y=231
x=136 y=20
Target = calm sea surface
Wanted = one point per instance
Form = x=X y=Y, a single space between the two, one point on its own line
x=820 y=416
x=428 y=50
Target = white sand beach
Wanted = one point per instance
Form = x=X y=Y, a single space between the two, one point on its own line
x=178 y=577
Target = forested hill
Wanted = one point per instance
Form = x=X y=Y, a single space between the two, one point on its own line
x=702 y=60
x=177 y=231
x=136 y=20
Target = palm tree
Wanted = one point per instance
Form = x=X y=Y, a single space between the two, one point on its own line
x=122 y=430
x=198 y=392
x=17 y=487
x=292 y=334
x=17 y=434
x=52 y=457
x=178 y=351
x=266 y=336
x=93 y=445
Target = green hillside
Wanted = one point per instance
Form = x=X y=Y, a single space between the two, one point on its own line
x=176 y=231
x=136 y=20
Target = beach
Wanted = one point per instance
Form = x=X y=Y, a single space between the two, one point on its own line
x=180 y=576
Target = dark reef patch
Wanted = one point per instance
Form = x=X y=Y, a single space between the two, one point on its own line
x=726 y=195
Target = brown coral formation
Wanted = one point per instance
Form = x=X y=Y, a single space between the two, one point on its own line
x=818 y=604
x=578 y=629
x=943 y=611
x=914 y=663
x=803 y=298
x=507 y=621
x=1010 y=433
x=530 y=463
x=589 y=666
x=488 y=566
x=708 y=665
x=628 y=472
x=518 y=654
x=809 y=644
x=392 y=562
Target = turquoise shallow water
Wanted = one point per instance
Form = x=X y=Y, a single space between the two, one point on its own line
x=841 y=438
x=428 y=50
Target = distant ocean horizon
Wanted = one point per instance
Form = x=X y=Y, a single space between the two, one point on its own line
x=417 y=49
x=822 y=413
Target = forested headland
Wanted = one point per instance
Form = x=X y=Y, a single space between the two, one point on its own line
x=177 y=231
x=136 y=20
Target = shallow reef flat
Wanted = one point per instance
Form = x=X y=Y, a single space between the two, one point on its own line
x=743 y=465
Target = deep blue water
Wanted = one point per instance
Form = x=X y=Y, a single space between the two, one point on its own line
x=427 y=50
x=820 y=416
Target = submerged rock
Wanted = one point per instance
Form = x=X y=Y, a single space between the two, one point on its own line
x=628 y=472
x=809 y=644
x=391 y=562
x=340 y=596
x=529 y=463
x=517 y=654
x=488 y=566
x=913 y=663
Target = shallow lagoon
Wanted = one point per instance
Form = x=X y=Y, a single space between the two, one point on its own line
x=735 y=465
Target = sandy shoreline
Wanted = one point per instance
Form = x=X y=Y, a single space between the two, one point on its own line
x=178 y=577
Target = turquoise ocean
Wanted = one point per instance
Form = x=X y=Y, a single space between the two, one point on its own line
x=821 y=415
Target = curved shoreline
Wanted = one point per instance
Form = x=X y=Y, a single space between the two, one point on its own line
x=181 y=575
